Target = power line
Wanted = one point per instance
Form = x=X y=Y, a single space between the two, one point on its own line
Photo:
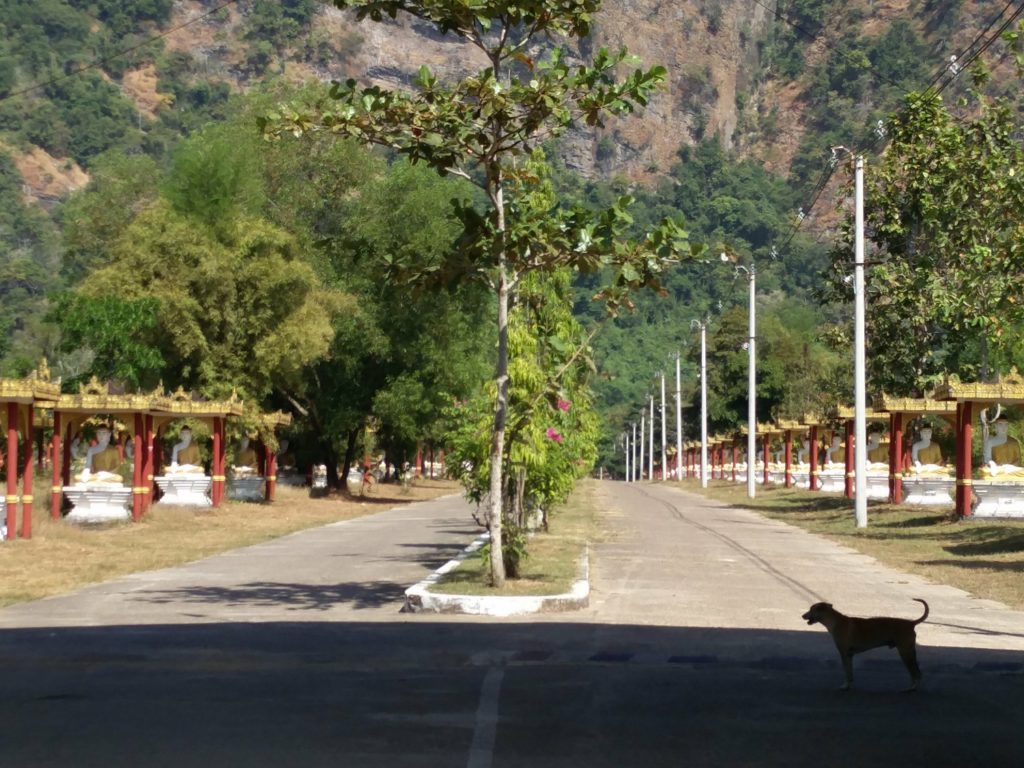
x=100 y=62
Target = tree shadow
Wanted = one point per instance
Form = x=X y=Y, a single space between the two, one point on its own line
x=304 y=597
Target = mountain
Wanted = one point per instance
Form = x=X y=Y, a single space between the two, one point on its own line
x=773 y=82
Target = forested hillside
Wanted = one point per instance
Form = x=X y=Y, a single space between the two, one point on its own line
x=117 y=119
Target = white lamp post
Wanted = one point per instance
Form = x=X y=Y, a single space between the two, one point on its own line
x=643 y=428
x=860 y=455
x=650 y=439
x=632 y=463
x=751 y=380
x=703 y=325
x=664 y=449
x=679 y=422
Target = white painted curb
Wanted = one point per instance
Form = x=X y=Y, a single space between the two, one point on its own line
x=419 y=597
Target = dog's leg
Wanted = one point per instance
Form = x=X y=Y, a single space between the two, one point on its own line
x=847 y=658
x=908 y=653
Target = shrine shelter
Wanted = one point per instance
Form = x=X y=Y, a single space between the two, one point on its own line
x=144 y=416
x=901 y=410
x=786 y=428
x=813 y=424
x=19 y=401
x=845 y=415
x=269 y=423
x=214 y=413
x=970 y=399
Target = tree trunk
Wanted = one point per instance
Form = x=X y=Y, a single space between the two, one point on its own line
x=350 y=453
x=501 y=379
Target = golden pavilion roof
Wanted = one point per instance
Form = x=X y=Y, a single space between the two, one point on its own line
x=1009 y=389
x=916 y=405
x=34 y=388
x=846 y=412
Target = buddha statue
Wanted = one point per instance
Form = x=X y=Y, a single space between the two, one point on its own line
x=101 y=460
x=185 y=457
x=878 y=452
x=924 y=454
x=245 y=459
x=835 y=453
x=285 y=458
x=1002 y=452
x=804 y=452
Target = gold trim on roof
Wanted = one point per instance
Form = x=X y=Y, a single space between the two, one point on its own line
x=849 y=412
x=34 y=388
x=182 y=403
x=919 y=405
x=1009 y=389
x=790 y=425
x=95 y=397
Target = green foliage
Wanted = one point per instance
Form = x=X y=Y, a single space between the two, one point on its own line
x=118 y=333
x=945 y=209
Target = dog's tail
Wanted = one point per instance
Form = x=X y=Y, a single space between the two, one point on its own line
x=925 y=615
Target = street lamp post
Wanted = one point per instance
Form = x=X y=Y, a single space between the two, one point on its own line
x=632 y=463
x=751 y=273
x=860 y=455
x=703 y=325
x=625 y=440
x=664 y=449
x=650 y=440
x=679 y=422
x=643 y=431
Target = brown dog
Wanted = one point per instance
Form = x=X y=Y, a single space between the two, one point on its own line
x=854 y=635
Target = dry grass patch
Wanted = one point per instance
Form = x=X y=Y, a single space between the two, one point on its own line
x=61 y=557
x=982 y=556
x=554 y=555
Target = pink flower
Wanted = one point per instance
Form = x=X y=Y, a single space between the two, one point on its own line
x=554 y=434
x=564 y=405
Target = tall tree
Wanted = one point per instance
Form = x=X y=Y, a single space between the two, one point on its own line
x=479 y=128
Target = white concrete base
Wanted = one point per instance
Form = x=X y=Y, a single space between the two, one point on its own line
x=801 y=478
x=878 y=486
x=419 y=597
x=185 y=490
x=98 y=503
x=291 y=478
x=248 y=488
x=999 y=498
x=832 y=480
x=927 y=490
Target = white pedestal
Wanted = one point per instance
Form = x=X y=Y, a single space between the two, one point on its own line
x=927 y=490
x=832 y=480
x=98 y=503
x=248 y=488
x=878 y=485
x=801 y=478
x=185 y=490
x=999 y=498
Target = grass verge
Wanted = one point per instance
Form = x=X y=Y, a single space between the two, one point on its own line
x=554 y=555
x=982 y=556
x=61 y=557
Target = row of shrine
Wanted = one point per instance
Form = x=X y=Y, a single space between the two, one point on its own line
x=35 y=405
x=893 y=474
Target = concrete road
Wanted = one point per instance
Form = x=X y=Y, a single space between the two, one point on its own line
x=692 y=654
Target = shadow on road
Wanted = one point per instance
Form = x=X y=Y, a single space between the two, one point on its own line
x=407 y=692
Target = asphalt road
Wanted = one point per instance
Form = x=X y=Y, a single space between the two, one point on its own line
x=294 y=653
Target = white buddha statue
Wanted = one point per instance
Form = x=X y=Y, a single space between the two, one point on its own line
x=102 y=461
x=878 y=454
x=1002 y=452
x=185 y=458
x=802 y=454
x=245 y=459
x=835 y=453
x=925 y=455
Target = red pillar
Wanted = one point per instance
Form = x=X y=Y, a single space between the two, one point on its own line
x=734 y=458
x=148 y=467
x=138 y=469
x=271 y=476
x=813 y=459
x=11 y=462
x=419 y=460
x=217 y=486
x=28 y=446
x=766 y=441
x=965 y=433
x=66 y=469
x=56 y=491
x=848 y=460
x=896 y=458
x=788 y=456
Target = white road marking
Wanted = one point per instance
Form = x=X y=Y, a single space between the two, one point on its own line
x=481 y=751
